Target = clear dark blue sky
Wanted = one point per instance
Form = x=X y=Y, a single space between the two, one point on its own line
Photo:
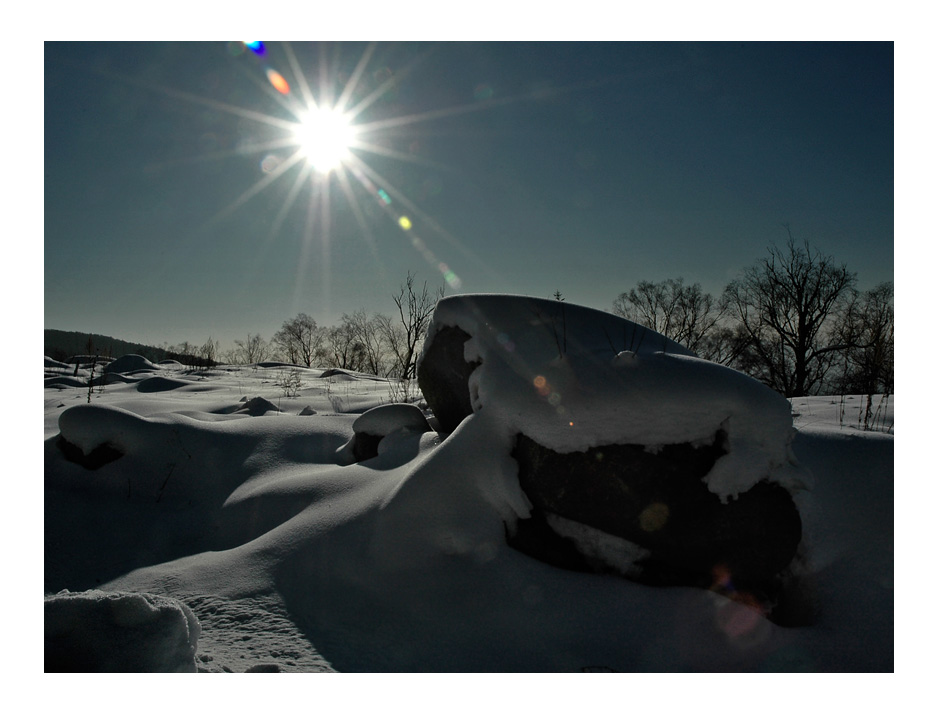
x=523 y=168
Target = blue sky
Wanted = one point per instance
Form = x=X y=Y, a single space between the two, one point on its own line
x=522 y=167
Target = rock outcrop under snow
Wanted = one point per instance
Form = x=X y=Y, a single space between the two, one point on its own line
x=645 y=459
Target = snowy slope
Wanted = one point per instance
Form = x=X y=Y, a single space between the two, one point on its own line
x=293 y=562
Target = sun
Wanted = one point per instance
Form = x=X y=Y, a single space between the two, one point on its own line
x=325 y=137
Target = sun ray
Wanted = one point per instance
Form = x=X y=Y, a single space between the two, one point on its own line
x=326 y=224
x=208 y=102
x=257 y=187
x=316 y=209
x=325 y=82
x=303 y=100
x=396 y=154
x=381 y=89
x=307 y=96
x=268 y=85
x=468 y=108
x=239 y=151
x=431 y=115
x=366 y=231
x=299 y=183
x=395 y=193
x=355 y=78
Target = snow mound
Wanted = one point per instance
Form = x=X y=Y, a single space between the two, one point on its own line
x=384 y=420
x=108 y=379
x=157 y=384
x=401 y=564
x=129 y=363
x=52 y=363
x=257 y=406
x=97 y=631
x=85 y=360
x=341 y=374
x=90 y=426
x=154 y=460
x=573 y=378
x=65 y=382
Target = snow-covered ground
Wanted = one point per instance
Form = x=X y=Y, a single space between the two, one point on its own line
x=232 y=498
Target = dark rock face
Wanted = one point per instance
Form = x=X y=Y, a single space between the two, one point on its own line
x=443 y=376
x=364 y=446
x=99 y=456
x=658 y=501
x=644 y=513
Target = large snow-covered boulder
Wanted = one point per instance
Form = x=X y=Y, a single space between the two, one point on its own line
x=98 y=631
x=517 y=331
x=635 y=453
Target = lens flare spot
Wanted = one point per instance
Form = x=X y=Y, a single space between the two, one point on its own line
x=484 y=92
x=405 y=223
x=385 y=198
x=255 y=46
x=269 y=163
x=743 y=622
x=722 y=578
x=277 y=80
x=654 y=517
x=506 y=342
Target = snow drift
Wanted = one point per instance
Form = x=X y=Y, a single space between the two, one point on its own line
x=400 y=561
x=97 y=631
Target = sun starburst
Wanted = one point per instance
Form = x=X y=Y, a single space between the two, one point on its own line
x=322 y=144
x=325 y=136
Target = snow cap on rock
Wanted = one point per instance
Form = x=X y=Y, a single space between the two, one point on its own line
x=574 y=378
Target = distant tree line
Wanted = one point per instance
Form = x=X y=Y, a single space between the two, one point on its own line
x=794 y=320
x=63 y=345
x=377 y=344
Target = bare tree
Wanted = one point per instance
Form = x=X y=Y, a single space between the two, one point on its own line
x=209 y=352
x=683 y=313
x=784 y=304
x=367 y=332
x=299 y=339
x=253 y=350
x=730 y=346
x=415 y=307
x=868 y=331
x=394 y=338
x=345 y=350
